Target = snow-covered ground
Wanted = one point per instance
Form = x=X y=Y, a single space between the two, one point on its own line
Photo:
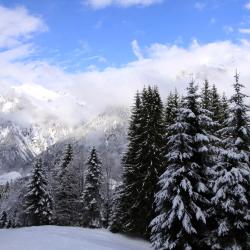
x=66 y=238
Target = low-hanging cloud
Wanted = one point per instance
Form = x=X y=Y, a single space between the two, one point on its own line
x=168 y=66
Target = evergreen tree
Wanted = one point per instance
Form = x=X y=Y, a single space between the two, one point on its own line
x=38 y=201
x=149 y=160
x=224 y=110
x=206 y=96
x=9 y=224
x=91 y=197
x=172 y=105
x=216 y=108
x=231 y=187
x=115 y=225
x=142 y=164
x=122 y=219
x=183 y=199
x=66 y=160
x=171 y=108
x=3 y=220
x=66 y=197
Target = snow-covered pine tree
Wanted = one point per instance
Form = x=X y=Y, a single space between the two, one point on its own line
x=182 y=201
x=206 y=96
x=115 y=225
x=149 y=160
x=66 y=196
x=66 y=159
x=212 y=106
x=171 y=109
x=216 y=109
x=224 y=109
x=3 y=220
x=10 y=224
x=122 y=218
x=172 y=104
x=38 y=201
x=91 y=197
x=232 y=183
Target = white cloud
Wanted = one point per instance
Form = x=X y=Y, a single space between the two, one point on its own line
x=247 y=5
x=244 y=31
x=137 y=50
x=169 y=67
x=17 y=25
x=99 y=4
x=199 y=5
x=164 y=65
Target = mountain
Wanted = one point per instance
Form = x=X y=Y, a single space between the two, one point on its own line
x=107 y=132
x=19 y=145
x=38 y=122
x=28 y=126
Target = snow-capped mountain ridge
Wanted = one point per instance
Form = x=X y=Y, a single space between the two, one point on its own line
x=20 y=145
x=29 y=126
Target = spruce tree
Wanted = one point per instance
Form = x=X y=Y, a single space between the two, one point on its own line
x=66 y=196
x=3 y=220
x=91 y=197
x=216 y=108
x=38 y=201
x=224 y=110
x=171 y=110
x=122 y=218
x=142 y=163
x=150 y=161
x=9 y=224
x=115 y=225
x=183 y=199
x=66 y=160
x=172 y=104
x=231 y=186
x=206 y=96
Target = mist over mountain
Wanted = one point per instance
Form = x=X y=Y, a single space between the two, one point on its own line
x=32 y=124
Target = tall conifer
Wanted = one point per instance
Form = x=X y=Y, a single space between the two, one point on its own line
x=91 y=196
x=183 y=198
x=38 y=201
x=232 y=183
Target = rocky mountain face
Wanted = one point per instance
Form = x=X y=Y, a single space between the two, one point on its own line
x=21 y=143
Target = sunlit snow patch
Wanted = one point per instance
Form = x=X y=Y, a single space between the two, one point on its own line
x=9 y=177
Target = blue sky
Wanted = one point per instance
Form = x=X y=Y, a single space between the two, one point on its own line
x=80 y=35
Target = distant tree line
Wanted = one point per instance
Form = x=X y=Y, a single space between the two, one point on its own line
x=62 y=201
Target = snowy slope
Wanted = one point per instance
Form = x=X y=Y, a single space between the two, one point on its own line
x=10 y=176
x=66 y=238
x=19 y=145
x=26 y=128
